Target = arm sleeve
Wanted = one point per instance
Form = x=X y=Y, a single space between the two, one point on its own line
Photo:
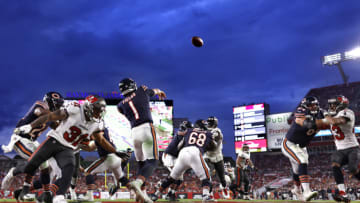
x=348 y=115
x=148 y=91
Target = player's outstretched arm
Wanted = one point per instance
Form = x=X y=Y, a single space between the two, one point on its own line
x=335 y=121
x=103 y=142
x=57 y=115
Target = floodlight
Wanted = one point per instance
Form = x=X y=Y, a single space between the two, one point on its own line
x=331 y=59
x=353 y=54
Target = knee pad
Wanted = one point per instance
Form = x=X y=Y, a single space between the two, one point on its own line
x=303 y=169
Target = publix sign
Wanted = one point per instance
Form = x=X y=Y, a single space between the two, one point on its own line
x=277 y=127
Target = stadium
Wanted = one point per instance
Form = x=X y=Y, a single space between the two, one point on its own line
x=264 y=134
x=180 y=101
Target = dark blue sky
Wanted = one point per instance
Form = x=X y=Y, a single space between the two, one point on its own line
x=255 y=51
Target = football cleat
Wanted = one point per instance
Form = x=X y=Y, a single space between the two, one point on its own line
x=7 y=179
x=225 y=193
x=154 y=197
x=341 y=197
x=24 y=194
x=297 y=193
x=136 y=186
x=113 y=189
x=59 y=199
x=17 y=194
x=73 y=195
x=208 y=198
x=308 y=196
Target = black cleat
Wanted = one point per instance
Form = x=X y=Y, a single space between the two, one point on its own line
x=47 y=197
x=154 y=197
x=341 y=198
x=17 y=194
x=24 y=194
x=113 y=190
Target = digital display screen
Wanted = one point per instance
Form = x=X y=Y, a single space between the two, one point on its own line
x=249 y=125
x=120 y=129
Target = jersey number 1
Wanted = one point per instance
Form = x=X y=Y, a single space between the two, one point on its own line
x=133 y=108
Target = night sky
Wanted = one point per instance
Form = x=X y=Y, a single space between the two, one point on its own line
x=255 y=51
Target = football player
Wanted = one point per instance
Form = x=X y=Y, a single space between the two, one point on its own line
x=215 y=157
x=169 y=158
x=25 y=144
x=342 y=122
x=196 y=142
x=136 y=108
x=308 y=121
x=243 y=162
x=107 y=160
x=77 y=122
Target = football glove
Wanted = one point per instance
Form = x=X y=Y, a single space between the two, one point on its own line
x=122 y=155
x=25 y=129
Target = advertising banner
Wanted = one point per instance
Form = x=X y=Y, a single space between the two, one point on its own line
x=277 y=127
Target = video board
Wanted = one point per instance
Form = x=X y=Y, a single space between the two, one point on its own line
x=250 y=127
x=120 y=129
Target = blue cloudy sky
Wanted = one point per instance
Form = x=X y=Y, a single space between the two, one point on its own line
x=255 y=51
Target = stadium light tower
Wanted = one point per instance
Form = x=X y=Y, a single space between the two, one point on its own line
x=336 y=59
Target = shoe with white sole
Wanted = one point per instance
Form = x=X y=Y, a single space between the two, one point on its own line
x=308 y=196
x=59 y=199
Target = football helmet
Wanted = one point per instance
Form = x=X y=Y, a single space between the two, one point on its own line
x=127 y=86
x=212 y=122
x=94 y=107
x=54 y=100
x=185 y=125
x=245 y=148
x=311 y=103
x=202 y=124
x=337 y=103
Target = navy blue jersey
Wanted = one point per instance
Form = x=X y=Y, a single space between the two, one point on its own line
x=197 y=137
x=29 y=117
x=301 y=135
x=172 y=148
x=136 y=106
x=101 y=151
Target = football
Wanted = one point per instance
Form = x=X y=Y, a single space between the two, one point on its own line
x=197 y=41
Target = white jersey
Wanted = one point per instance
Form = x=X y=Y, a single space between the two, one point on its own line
x=245 y=159
x=344 y=135
x=75 y=128
x=216 y=154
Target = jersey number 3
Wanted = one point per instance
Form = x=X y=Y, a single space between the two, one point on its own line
x=75 y=132
x=199 y=139
x=336 y=131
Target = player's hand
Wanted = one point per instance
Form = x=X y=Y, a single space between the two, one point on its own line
x=122 y=155
x=25 y=129
x=162 y=95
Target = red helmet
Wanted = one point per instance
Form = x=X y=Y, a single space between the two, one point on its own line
x=94 y=107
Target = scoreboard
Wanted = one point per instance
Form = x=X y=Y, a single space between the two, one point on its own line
x=249 y=127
